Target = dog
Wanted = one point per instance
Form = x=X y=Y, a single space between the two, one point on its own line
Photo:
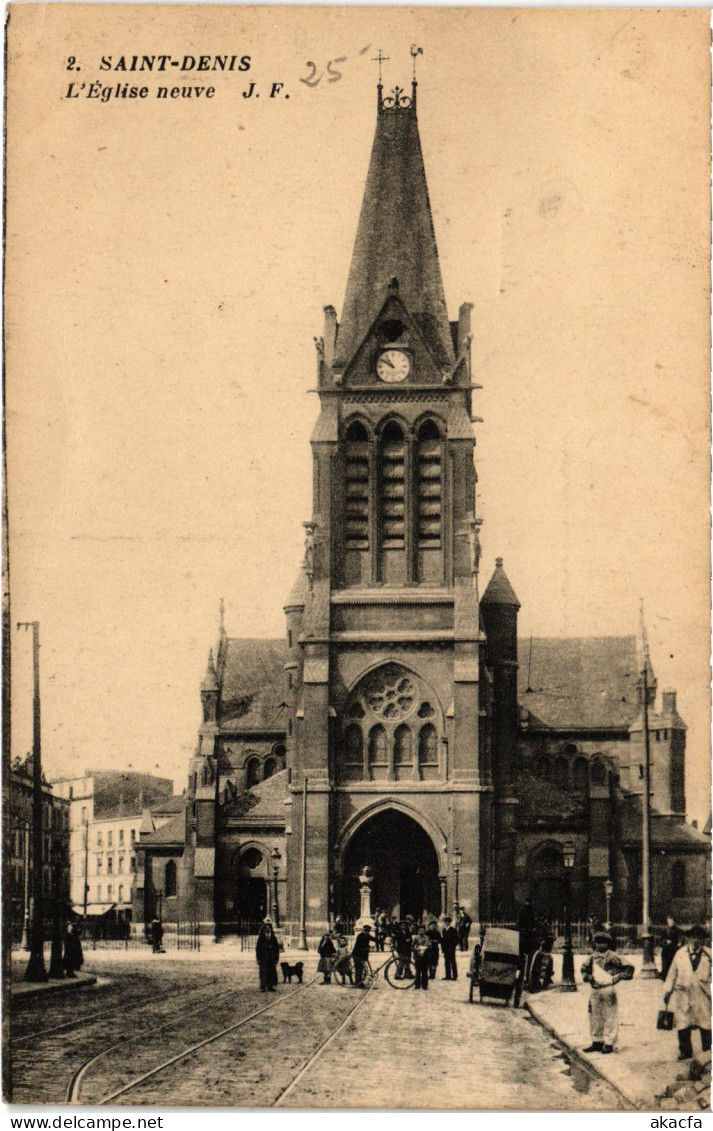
x=289 y=971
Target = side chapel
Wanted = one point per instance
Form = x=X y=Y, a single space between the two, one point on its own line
x=393 y=727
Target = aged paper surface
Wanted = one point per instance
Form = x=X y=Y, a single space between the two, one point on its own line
x=168 y=257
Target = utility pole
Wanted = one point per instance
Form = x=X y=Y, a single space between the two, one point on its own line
x=648 y=966
x=303 y=878
x=86 y=864
x=36 y=971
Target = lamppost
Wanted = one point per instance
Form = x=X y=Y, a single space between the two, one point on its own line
x=608 y=893
x=457 y=860
x=275 y=856
x=568 y=982
x=25 y=944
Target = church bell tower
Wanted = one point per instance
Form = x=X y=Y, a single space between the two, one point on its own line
x=389 y=754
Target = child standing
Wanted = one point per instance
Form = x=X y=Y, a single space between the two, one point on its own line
x=602 y=970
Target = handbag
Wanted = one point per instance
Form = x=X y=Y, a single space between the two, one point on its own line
x=664 y=1019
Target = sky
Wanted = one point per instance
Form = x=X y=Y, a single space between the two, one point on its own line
x=167 y=265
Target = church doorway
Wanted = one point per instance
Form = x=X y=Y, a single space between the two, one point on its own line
x=404 y=865
x=249 y=887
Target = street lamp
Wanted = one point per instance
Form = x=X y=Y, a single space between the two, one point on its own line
x=275 y=856
x=457 y=860
x=26 y=928
x=568 y=982
x=608 y=893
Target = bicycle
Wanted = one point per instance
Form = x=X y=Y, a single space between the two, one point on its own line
x=399 y=972
x=345 y=973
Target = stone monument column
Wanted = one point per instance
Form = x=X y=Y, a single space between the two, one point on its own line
x=366 y=878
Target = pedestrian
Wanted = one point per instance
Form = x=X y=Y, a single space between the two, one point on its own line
x=527 y=926
x=421 y=953
x=434 y=936
x=463 y=925
x=157 y=936
x=671 y=943
x=327 y=952
x=688 y=983
x=267 y=953
x=449 y=943
x=73 y=958
x=402 y=945
x=342 y=962
x=360 y=953
x=602 y=970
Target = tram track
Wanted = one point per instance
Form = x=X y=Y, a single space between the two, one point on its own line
x=152 y=1074
x=80 y=1023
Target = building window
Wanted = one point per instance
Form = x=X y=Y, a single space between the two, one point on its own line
x=581 y=775
x=171 y=878
x=561 y=773
x=353 y=745
x=121 y=836
x=428 y=746
x=641 y=772
x=109 y=892
x=392 y=488
x=109 y=839
x=109 y=865
x=428 y=472
x=121 y=893
x=599 y=774
x=403 y=750
x=678 y=878
x=132 y=864
x=357 y=488
x=99 y=892
x=121 y=864
x=270 y=768
x=84 y=814
x=665 y=736
x=289 y=637
x=99 y=865
x=133 y=836
x=253 y=775
x=100 y=840
x=378 y=757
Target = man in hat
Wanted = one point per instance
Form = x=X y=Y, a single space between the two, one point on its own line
x=435 y=950
x=688 y=982
x=602 y=970
x=360 y=953
x=421 y=951
x=449 y=943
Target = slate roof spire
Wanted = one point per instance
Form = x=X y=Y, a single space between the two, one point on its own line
x=499 y=591
x=395 y=235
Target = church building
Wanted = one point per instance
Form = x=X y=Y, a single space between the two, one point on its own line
x=400 y=727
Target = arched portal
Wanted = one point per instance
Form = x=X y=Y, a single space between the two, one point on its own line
x=404 y=864
x=249 y=885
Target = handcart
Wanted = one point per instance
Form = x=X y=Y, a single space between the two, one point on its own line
x=498 y=968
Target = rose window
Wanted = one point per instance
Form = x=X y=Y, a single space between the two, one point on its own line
x=391 y=694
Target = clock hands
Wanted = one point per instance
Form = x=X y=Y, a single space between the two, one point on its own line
x=386 y=361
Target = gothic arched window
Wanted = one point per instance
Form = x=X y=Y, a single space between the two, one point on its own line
x=353 y=746
x=171 y=881
x=428 y=475
x=427 y=749
x=403 y=748
x=270 y=768
x=599 y=773
x=253 y=774
x=357 y=487
x=378 y=754
x=562 y=773
x=678 y=878
x=581 y=775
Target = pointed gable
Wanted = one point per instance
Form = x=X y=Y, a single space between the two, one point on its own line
x=396 y=239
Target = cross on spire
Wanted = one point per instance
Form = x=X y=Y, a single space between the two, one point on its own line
x=380 y=59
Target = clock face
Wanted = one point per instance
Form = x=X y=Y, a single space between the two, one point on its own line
x=393 y=366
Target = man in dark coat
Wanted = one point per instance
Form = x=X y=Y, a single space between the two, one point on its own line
x=434 y=936
x=463 y=925
x=267 y=953
x=449 y=944
x=157 y=936
x=73 y=958
x=421 y=951
x=360 y=952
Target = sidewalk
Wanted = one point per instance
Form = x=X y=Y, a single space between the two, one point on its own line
x=21 y=989
x=644 y=1068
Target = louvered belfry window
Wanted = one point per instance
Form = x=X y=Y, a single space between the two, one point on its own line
x=357 y=476
x=393 y=454
x=429 y=479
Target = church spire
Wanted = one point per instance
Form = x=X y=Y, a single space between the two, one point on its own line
x=395 y=238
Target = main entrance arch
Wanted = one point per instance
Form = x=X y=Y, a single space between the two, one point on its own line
x=404 y=863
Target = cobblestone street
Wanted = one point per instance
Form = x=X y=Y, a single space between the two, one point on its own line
x=319 y=1046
